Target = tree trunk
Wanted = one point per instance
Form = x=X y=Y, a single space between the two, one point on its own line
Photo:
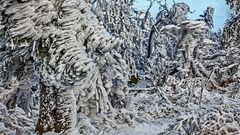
x=57 y=110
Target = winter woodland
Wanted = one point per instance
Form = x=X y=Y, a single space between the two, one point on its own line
x=103 y=67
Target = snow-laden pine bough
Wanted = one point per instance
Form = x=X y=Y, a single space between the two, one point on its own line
x=80 y=72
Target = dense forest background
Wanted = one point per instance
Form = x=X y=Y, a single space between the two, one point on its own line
x=97 y=67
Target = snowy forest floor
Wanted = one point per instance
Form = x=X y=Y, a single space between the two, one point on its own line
x=185 y=112
x=150 y=128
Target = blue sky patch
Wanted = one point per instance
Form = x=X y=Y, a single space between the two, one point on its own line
x=220 y=13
